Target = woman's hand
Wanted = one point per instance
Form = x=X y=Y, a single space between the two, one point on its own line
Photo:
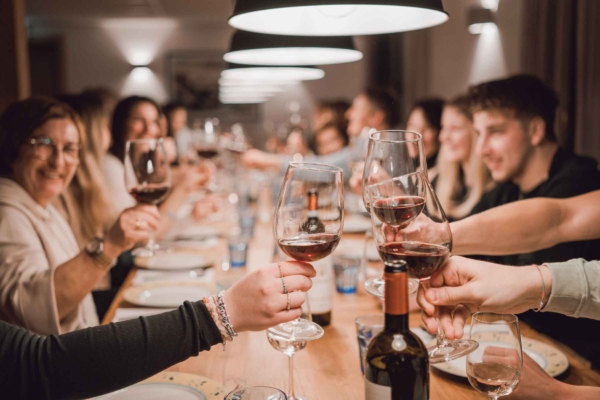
x=536 y=383
x=132 y=227
x=187 y=179
x=463 y=286
x=254 y=158
x=257 y=302
x=204 y=207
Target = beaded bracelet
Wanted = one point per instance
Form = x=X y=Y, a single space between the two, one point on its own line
x=211 y=305
x=224 y=316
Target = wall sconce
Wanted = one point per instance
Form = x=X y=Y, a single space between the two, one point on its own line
x=478 y=19
x=140 y=73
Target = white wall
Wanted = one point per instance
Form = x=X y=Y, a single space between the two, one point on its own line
x=459 y=59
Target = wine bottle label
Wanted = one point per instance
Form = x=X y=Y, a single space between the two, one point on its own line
x=321 y=292
x=374 y=391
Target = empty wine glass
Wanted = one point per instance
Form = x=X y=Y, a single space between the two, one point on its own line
x=308 y=225
x=410 y=226
x=290 y=347
x=148 y=178
x=256 y=393
x=392 y=154
x=495 y=368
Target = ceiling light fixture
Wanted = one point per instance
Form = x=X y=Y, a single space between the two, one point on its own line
x=260 y=49
x=479 y=19
x=272 y=73
x=336 y=17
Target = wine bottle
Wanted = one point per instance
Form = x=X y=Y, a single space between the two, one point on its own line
x=321 y=292
x=313 y=224
x=397 y=365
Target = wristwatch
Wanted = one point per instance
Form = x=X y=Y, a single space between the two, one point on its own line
x=95 y=249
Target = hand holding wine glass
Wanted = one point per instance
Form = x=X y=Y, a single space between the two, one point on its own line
x=410 y=227
x=147 y=177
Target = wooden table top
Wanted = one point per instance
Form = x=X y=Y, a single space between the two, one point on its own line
x=327 y=368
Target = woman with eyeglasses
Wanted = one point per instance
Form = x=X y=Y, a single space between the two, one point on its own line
x=45 y=279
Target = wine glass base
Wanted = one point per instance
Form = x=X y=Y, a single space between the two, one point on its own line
x=451 y=351
x=298 y=330
x=376 y=287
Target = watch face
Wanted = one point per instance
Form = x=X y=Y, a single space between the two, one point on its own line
x=95 y=246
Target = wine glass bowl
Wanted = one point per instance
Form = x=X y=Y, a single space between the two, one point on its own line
x=147 y=177
x=495 y=368
x=392 y=154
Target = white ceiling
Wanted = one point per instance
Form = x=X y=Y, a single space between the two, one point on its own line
x=215 y=10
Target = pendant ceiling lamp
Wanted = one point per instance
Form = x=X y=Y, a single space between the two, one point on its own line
x=336 y=17
x=262 y=73
x=260 y=49
x=243 y=82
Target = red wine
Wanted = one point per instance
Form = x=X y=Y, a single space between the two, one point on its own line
x=207 y=152
x=397 y=364
x=398 y=211
x=309 y=247
x=150 y=194
x=422 y=259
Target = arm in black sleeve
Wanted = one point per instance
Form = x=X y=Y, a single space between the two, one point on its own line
x=101 y=359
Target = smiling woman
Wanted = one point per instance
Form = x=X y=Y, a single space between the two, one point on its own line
x=46 y=279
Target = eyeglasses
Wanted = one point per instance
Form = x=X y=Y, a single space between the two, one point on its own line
x=44 y=148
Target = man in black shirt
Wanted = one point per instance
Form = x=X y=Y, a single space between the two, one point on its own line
x=514 y=119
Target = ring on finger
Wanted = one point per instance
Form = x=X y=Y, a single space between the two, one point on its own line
x=285 y=291
x=289 y=302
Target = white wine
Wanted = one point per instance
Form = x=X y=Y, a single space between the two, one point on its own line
x=397 y=364
x=493 y=379
x=285 y=346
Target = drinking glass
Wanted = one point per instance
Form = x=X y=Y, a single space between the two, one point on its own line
x=495 y=368
x=207 y=142
x=409 y=226
x=256 y=393
x=148 y=178
x=289 y=347
x=308 y=225
x=391 y=154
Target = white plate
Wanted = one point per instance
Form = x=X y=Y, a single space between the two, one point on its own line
x=196 y=232
x=168 y=294
x=171 y=385
x=173 y=261
x=552 y=360
x=356 y=224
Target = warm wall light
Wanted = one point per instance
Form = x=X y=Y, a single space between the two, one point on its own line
x=336 y=17
x=258 y=73
x=260 y=49
x=479 y=19
x=141 y=73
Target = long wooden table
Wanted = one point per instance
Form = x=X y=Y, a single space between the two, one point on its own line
x=327 y=368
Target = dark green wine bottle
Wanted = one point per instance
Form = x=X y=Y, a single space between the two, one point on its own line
x=397 y=365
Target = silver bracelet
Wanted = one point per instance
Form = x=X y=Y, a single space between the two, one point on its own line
x=541 y=306
x=224 y=316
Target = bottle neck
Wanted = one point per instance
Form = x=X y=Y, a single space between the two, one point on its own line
x=312 y=201
x=396 y=301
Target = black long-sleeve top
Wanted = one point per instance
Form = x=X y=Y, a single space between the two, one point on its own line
x=102 y=359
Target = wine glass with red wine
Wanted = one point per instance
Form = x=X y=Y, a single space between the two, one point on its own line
x=410 y=227
x=308 y=225
x=148 y=178
x=207 y=141
x=392 y=154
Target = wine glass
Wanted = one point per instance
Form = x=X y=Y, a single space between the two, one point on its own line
x=308 y=225
x=207 y=142
x=290 y=347
x=410 y=226
x=495 y=368
x=148 y=178
x=392 y=154
x=256 y=393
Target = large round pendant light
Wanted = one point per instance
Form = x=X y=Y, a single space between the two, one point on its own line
x=336 y=17
x=262 y=73
x=259 y=49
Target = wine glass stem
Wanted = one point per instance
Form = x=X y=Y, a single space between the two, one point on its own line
x=441 y=336
x=291 y=395
x=151 y=245
x=494 y=397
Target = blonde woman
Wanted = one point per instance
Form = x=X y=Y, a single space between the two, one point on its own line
x=462 y=178
x=84 y=203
